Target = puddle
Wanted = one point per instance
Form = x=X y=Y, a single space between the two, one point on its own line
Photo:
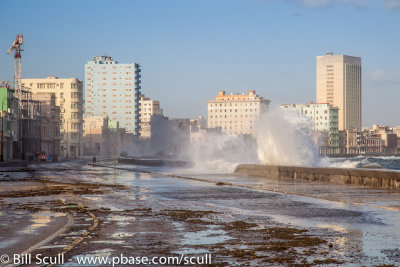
x=121 y=219
x=149 y=233
x=119 y=235
x=191 y=251
x=205 y=237
x=39 y=220
x=9 y=243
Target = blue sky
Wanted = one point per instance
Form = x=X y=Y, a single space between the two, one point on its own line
x=190 y=49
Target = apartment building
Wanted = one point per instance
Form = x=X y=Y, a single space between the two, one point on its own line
x=236 y=113
x=148 y=108
x=324 y=118
x=339 y=84
x=69 y=97
x=113 y=90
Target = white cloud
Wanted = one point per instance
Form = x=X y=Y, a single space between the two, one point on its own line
x=380 y=76
x=391 y=4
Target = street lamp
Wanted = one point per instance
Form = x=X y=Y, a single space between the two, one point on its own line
x=2 y=128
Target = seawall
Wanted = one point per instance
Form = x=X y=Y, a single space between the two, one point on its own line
x=154 y=162
x=361 y=177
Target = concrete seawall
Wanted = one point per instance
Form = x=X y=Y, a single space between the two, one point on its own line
x=154 y=162
x=361 y=177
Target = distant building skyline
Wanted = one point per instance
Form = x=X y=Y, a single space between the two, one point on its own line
x=269 y=46
x=338 y=83
x=113 y=90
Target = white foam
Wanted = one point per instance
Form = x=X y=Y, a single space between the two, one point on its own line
x=285 y=138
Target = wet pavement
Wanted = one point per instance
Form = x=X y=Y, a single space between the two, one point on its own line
x=240 y=220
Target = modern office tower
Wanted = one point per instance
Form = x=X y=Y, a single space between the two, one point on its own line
x=236 y=113
x=339 y=84
x=69 y=97
x=113 y=90
x=148 y=108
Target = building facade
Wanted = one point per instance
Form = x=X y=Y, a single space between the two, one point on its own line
x=113 y=90
x=10 y=123
x=339 y=84
x=324 y=118
x=236 y=113
x=96 y=136
x=29 y=125
x=50 y=136
x=69 y=97
x=148 y=108
x=378 y=140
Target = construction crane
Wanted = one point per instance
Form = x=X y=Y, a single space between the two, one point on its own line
x=17 y=48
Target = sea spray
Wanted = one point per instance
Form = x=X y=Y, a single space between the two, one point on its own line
x=222 y=152
x=279 y=138
x=285 y=138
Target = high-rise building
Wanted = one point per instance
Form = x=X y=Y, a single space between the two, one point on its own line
x=113 y=90
x=148 y=108
x=69 y=97
x=339 y=84
x=236 y=113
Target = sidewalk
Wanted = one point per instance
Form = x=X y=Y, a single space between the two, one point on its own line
x=14 y=163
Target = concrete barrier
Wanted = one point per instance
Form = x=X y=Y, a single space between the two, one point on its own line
x=154 y=162
x=361 y=177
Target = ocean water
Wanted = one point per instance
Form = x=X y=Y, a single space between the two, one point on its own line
x=392 y=163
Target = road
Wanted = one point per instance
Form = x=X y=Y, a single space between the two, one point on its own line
x=88 y=211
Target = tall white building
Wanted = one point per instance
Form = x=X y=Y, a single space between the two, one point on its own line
x=69 y=97
x=339 y=84
x=236 y=113
x=113 y=90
